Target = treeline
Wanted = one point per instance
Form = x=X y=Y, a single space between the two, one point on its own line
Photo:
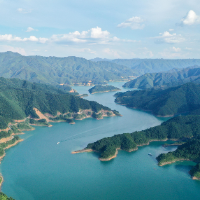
x=181 y=127
x=184 y=99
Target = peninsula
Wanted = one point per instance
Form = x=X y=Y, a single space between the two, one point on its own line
x=102 y=89
x=182 y=128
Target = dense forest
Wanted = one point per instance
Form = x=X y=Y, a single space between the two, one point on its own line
x=55 y=70
x=178 y=128
x=102 y=88
x=184 y=99
x=170 y=78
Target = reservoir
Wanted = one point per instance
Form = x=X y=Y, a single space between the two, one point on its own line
x=42 y=166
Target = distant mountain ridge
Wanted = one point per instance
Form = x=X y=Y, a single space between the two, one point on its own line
x=171 y=78
x=142 y=66
x=55 y=70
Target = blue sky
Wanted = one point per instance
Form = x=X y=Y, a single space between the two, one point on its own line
x=101 y=28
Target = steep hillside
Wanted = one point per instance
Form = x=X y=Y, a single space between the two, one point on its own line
x=184 y=99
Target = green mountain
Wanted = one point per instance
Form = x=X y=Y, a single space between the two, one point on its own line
x=143 y=66
x=184 y=99
x=20 y=99
x=181 y=127
x=103 y=88
x=54 y=70
x=166 y=79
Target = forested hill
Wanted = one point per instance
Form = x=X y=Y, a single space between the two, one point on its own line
x=181 y=127
x=55 y=70
x=166 y=79
x=18 y=101
x=184 y=99
x=142 y=66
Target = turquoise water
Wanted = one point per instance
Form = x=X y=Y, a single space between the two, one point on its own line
x=39 y=169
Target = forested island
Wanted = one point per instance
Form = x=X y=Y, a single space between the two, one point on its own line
x=102 y=89
x=184 y=99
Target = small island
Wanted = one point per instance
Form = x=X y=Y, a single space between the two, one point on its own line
x=102 y=89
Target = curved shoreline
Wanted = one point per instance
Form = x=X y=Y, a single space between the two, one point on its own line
x=116 y=152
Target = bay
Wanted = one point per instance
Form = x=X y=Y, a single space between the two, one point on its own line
x=38 y=168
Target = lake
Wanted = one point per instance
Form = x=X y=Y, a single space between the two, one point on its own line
x=38 y=168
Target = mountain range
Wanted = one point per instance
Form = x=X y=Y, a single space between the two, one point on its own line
x=170 y=78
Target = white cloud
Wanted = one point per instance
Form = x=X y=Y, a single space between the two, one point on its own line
x=29 y=29
x=133 y=23
x=23 y=11
x=171 y=29
x=112 y=53
x=191 y=18
x=92 y=36
x=188 y=49
x=176 y=49
x=19 y=50
x=170 y=38
x=10 y=37
x=87 y=50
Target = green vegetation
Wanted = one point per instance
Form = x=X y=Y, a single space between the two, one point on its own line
x=181 y=127
x=166 y=79
x=41 y=122
x=188 y=151
x=101 y=89
x=195 y=171
x=4 y=197
x=10 y=142
x=55 y=70
x=183 y=99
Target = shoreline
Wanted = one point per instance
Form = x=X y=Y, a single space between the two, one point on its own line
x=1 y=183
x=170 y=162
x=105 y=91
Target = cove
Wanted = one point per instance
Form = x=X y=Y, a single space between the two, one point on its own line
x=38 y=168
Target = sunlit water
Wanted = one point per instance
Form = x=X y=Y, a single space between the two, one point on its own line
x=39 y=168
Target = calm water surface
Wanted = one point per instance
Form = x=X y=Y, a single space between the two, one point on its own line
x=40 y=169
